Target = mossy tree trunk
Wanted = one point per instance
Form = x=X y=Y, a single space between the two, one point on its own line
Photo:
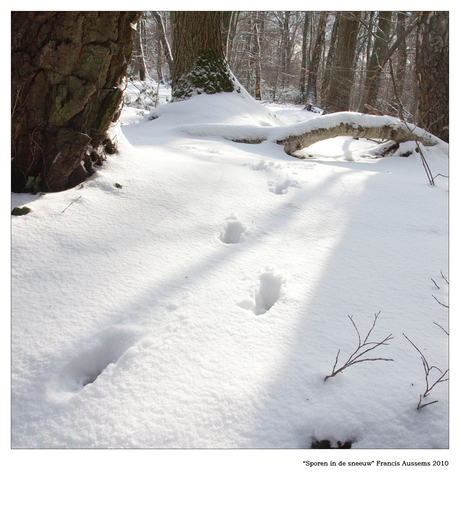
x=67 y=68
x=432 y=66
x=198 y=54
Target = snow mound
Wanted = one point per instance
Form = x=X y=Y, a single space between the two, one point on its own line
x=235 y=108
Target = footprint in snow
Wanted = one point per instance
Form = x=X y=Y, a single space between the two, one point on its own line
x=280 y=185
x=268 y=292
x=85 y=368
x=233 y=231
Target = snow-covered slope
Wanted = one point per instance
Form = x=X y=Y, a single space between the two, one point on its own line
x=194 y=292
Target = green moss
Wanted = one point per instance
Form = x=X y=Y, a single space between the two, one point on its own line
x=102 y=116
x=20 y=211
x=60 y=113
x=209 y=74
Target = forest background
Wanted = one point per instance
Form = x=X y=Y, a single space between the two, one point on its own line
x=364 y=61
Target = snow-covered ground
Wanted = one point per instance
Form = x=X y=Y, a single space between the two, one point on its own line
x=194 y=292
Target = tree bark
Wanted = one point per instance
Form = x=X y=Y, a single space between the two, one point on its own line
x=325 y=87
x=257 y=56
x=198 y=54
x=432 y=66
x=375 y=64
x=401 y=54
x=285 y=52
x=67 y=68
x=138 y=58
x=303 y=66
x=163 y=39
x=342 y=72
x=311 y=94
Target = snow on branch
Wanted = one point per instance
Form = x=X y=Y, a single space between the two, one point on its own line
x=303 y=134
x=363 y=126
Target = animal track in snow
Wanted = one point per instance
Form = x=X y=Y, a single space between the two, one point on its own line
x=279 y=186
x=263 y=165
x=233 y=232
x=268 y=292
x=280 y=181
x=89 y=365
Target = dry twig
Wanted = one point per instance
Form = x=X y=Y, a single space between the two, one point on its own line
x=361 y=350
x=427 y=368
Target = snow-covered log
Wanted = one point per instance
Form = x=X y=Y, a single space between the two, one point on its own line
x=297 y=136
x=363 y=126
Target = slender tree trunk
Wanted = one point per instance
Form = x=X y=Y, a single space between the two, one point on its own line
x=250 y=58
x=159 y=62
x=67 y=68
x=389 y=53
x=231 y=36
x=375 y=65
x=285 y=50
x=257 y=57
x=402 y=54
x=311 y=94
x=138 y=59
x=401 y=62
x=342 y=72
x=303 y=66
x=226 y=20
x=325 y=88
x=164 y=41
x=432 y=65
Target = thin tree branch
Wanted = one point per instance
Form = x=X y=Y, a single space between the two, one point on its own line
x=353 y=358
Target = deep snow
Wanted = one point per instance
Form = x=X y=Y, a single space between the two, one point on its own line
x=202 y=304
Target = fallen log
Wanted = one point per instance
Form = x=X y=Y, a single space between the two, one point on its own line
x=298 y=136
x=362 y=126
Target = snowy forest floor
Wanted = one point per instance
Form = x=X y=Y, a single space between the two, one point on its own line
x=195 y=292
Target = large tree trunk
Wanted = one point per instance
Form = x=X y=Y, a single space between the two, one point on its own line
x=198 y=54
x=67 y=68
x=342 y=72
x=432 y=65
